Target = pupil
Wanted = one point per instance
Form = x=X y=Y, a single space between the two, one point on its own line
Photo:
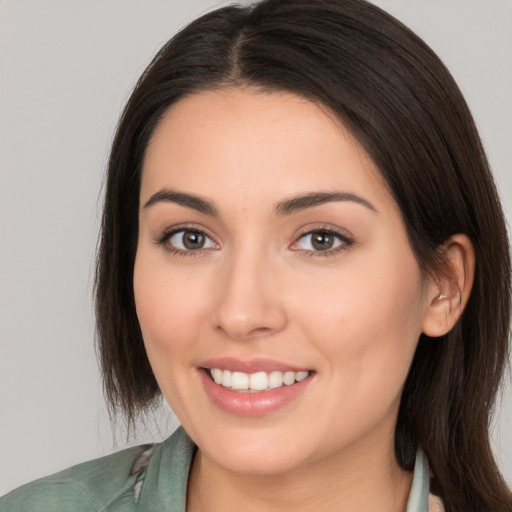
x=322 y=241
x=193 y=240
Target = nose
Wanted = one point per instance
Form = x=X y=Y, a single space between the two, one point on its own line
x=249 y=302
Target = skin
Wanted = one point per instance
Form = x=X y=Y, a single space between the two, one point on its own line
x=258 y=288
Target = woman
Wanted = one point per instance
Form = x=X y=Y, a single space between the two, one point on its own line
x=302 y=249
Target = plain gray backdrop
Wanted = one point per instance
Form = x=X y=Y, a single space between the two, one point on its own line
x=66 y=69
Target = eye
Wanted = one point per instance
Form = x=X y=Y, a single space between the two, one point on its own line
x=322 y=240
x=187 y=240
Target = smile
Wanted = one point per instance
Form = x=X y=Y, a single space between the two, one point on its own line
x=255 y=382
x=253 y=387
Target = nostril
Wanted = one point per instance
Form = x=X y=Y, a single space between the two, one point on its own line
x=247 y=306
x=242 y=332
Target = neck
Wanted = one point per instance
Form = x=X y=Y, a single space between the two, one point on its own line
x=351 y=481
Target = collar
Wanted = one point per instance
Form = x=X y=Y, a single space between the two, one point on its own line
x=418 y=497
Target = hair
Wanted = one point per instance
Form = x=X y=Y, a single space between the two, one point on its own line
x=400 y=102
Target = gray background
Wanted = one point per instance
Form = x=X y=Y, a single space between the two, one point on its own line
x=66 y=69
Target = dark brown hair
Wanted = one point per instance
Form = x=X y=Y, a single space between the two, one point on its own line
x=401 y=103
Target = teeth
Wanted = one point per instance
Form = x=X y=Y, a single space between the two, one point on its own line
x=217 y=375
x=260 y=381
x=289 y=378
x=226 y=379
x=301 y=375
x=275 y=380
x=239 y=380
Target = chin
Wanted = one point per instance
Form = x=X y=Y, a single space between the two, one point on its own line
x=263 y=452
x=256 y=463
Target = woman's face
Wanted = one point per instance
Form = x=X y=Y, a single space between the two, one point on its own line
x=269 y=251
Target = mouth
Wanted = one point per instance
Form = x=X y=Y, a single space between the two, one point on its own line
x=255 y=382
x=254 y=387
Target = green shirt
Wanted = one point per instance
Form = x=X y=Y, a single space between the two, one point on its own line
x=150 y=478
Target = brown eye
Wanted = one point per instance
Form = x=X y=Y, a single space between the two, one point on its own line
x=190 y=240
x=322 y=241
x=193 y=240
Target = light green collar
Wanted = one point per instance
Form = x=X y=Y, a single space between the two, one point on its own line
x=418 y=497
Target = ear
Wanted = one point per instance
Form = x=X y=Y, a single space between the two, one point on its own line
x=448 y=293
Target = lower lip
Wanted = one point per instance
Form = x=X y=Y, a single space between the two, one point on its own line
x=251 y=404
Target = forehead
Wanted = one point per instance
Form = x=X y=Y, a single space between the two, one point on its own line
x=255 y=145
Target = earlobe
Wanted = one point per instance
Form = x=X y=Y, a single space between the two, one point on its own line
x=449 y=292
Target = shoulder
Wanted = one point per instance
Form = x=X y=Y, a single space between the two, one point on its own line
x=87 y=487
x=117 y=483
x=45 y=495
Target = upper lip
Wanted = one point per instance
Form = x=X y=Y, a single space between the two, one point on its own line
x=250 y=365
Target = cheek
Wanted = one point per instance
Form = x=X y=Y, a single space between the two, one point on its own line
x=168 y=306
x=368 y=320
x=366 y=326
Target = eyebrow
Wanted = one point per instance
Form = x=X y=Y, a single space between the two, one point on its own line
x=286 y=207
x=313 y=199
x=183 y=199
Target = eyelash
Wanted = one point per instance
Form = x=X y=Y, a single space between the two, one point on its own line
x=164 y=238
x=345 y=242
